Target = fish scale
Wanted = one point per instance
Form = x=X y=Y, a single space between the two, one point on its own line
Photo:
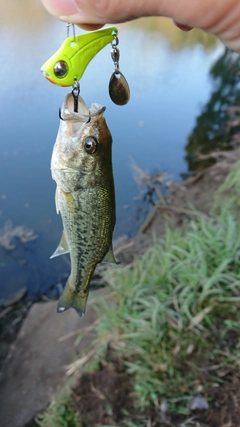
x=85 y=197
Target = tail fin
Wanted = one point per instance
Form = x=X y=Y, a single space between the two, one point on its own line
x=72 y=299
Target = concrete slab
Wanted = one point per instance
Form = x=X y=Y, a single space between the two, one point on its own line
x=37 y=363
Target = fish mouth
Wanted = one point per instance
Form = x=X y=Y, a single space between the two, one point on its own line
x=84 y=114
x=84 y=117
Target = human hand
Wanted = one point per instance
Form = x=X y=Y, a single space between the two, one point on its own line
x=220 y=17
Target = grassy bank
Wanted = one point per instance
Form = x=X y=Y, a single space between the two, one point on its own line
x=174 y=316
x=176 y=308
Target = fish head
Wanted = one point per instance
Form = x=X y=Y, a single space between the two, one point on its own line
x=82 y=152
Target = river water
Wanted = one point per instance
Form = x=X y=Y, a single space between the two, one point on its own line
x=168 y=73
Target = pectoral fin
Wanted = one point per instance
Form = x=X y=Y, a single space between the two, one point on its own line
x=56 y=201
x=62 y=247
x=109 y=257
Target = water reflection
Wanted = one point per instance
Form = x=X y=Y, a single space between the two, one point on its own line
x=212 y=128
x=167 y=71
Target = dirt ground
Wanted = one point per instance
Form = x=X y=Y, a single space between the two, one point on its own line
x=105 y=397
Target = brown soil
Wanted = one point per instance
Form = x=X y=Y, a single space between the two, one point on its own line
x=225 y=407
x=105 y=397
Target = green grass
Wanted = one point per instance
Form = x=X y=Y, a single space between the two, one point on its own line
x=60 y=412
x=175 y=315
x=229 y=192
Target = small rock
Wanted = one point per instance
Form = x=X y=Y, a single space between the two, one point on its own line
x=199 y=403
x=163 y=406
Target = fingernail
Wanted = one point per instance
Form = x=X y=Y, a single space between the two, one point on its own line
x=74 y=18
x=61 y=8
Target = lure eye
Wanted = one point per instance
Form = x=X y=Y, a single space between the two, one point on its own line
x=90 y=144
x=60 y=69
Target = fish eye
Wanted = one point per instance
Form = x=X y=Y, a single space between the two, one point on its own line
x=90 y=144
x=60 y=69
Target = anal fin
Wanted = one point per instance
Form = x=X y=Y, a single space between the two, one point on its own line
x=62 y=247
x=109 y=257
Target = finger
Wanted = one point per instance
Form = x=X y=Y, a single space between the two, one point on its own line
x=89 y=27
x=97 y=12
x=220 y=17
x=182 y=26
x=206 y=14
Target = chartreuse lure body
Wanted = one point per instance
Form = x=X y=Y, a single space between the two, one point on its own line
x=68 y=64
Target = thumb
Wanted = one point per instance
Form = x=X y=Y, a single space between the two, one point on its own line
x=101 y=12
x=220 y=17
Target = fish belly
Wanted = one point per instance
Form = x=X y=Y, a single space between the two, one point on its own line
x=88 y=220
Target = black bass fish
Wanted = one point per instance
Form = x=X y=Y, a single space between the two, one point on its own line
x=81 y=165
